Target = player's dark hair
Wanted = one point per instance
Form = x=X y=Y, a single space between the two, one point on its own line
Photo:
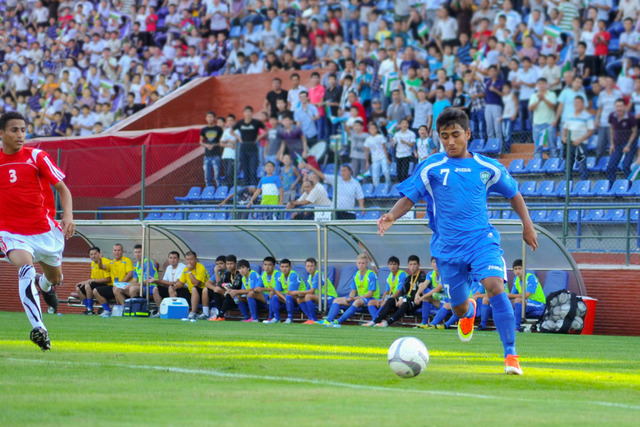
x=393 y=259
x=303 y=91
x=11 y=115
x=119 y=244
x=137 y=246
x=231 y=116
x=191 y=253
x=270 y=163
x=619 y=100
x=277 y=79
x=243 y=263
x=221 y=258
x=248 y=107
x=315 y=74
x=176 y=253
x=94 y=248
x=424 y=126
x=294 y=75
x=450 y=117
x=433 y=258
x=231 y=258
x=517 y=263
x=270 y=259
x=413 y=258
x=311 y=260
x=212 y=113
x=285 y=261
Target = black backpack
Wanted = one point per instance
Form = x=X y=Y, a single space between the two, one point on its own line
x=563 y=314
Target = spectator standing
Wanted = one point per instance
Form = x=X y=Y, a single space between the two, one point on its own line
x=249 y=153
x=375 y=146
x=576 y=130
x=357 y=152
x=606 y=106
x=404 y=140
x=630 y=46
x=210 y=140
x=316 y=98
x=306 y=116
x=623 y=140
x=290 y=178
x=293 y=97
x=509 y=115
x=398 y=110
x=543 y=107
x=270 y=103
x=493 y=109
x=525 y=81
x=347 y=192
x=230 y=138
x=293 y=140
x=477 y=92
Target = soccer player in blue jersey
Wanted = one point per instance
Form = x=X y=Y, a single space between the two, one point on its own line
x=364 y=292
x=262 y=293
x=311 y=296
x=395 y=283
x=536 y=301
x=288 y=289
x=250 y=280
x=455 y=185
x=434 y=293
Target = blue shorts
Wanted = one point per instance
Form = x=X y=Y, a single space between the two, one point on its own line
x=329 y=301
x=366 y=300
x=458 y=273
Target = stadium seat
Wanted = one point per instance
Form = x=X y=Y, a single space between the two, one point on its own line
x=555 y=216
x=367 y=190
x=221 y=193
x=208 y=216
x=545 y=189
x=594 y=215
x=634 y=190
x=208 y=194
x=493 y=146
x=592 y=144
x=256 y=267
x=347 y=273
x=382 y=191
x=260 y=172
x=412 y=166
x=516 y=166
x=538 y=216
x=221 y=216
x=554 y=165
x=477 y=145
x=620 y=188
x=617 y=215
x=582 y=189
x=601 y=166
x=167 y=216
x=301 y=270
x=153 y=216
x=635 y=214
x=372 y=214
x=195 y=216
x=395 y=194
x=528 y=189
x=329 y=169
x=393 y=169
x=556 y=280
x=209 y=266
x=561 y=189
x=601 y=188
x=192 y=196
x=614 y=45
x=534 y=166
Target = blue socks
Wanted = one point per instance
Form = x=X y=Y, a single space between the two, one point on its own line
x=89 y=304
x=311 y=310
x=275 y=307
x=244 y=309
x=470 y=311
x=347 y=314
x=106 y=307
x=440 y=315
x=517 y=311
x=333 y=312
x=504 y=319
x=289 y=303
x=303 y=307
x=253 y=307
x=485 y=312
x=426 y=312
x=373 y=311
x=453 y=319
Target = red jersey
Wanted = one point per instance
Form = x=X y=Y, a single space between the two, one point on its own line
x=26 y=198
x=601 y=43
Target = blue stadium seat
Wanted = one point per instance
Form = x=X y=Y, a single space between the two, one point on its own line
x=493 y=214
x=538 y=216
x=528 y=189
x=516 y=166
x=477 y=145
x=601 y=188
x=493 y=146
x=555 y=216
x=208 y=216
x=545 y=189
x=301 y=270
x=167 y=216
x=592 y=143
x=372 y=214
x=153 y=216
x=635 y=213
x=614 y=45
x=534 y=166
x=617 y=215
x=209 y=266
x=347 y=273
x=178 y=216
x=382 y=191
x=221 y=193
x=260 y=172
x=208 y=194
x=554 y=165
x=195 y=216
x=367 y=190
x=595 y=215
x=256 y=267
x=412 y=166
x=393 y=169
x=601 y=166
x=620 y=188
x=395 y=194
x=221 y=216
x=383 y=274
x=192 y=196
x=582 y=189
x=561 y=189
x=329 y=169
x=634 y=190
x=556 y=280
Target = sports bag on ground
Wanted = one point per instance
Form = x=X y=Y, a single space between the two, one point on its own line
x=135 y=307
x=563 y=314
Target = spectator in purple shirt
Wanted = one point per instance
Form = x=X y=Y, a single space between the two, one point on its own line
x=623 y=139
x=493 y=98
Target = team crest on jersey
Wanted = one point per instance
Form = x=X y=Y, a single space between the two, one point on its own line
x=484 y=176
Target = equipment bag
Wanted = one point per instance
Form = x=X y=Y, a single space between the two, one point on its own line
x=136 y=307
x=563 y=314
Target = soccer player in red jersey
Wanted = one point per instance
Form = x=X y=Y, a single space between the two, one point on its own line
x=28 y=230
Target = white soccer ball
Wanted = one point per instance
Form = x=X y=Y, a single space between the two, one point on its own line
x=582 y=309
x=408 y=357
x=577 y=324
x=564 y=298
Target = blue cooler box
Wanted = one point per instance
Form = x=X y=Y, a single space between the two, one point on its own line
x=174 y=308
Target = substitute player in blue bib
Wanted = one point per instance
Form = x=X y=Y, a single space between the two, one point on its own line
x=288 y=289
x=455 y=185
x=312 y=295
x=536 y=301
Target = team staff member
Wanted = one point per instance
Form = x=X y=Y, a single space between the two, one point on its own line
x=403 y=298
x=99 y=277
x=132 y=289
x=121 y=271
x=311 y=296
x=230 y=280
x=191 y=283
x=171 y=275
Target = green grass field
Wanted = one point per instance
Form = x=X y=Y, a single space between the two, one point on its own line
x=165 y=372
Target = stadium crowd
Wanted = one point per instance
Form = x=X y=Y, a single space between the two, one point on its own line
x=233 y=284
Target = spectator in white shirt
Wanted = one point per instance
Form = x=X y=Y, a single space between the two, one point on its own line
x=376 y=145
x=525 y=80
x=630 y=46
x=404 y=141
x=86 y=121
x=445 y=29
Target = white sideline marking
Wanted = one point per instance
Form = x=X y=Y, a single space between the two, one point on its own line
x=219 y=374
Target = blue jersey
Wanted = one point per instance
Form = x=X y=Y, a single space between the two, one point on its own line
x=149 y=270
x=477 y=288
x=456 y=194
x=292 y=282
x=253 y=281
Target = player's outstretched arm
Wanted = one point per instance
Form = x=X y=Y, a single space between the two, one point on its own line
x=401 y=207
x=528 y=232
x=67 y=224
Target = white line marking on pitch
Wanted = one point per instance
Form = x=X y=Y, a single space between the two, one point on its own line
x=178 y=370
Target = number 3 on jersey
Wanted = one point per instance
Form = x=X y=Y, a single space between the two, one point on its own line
x=12 y=176
x=445 y=172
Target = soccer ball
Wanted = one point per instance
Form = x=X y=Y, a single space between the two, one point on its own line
x=582 y=309
x=408 y=357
